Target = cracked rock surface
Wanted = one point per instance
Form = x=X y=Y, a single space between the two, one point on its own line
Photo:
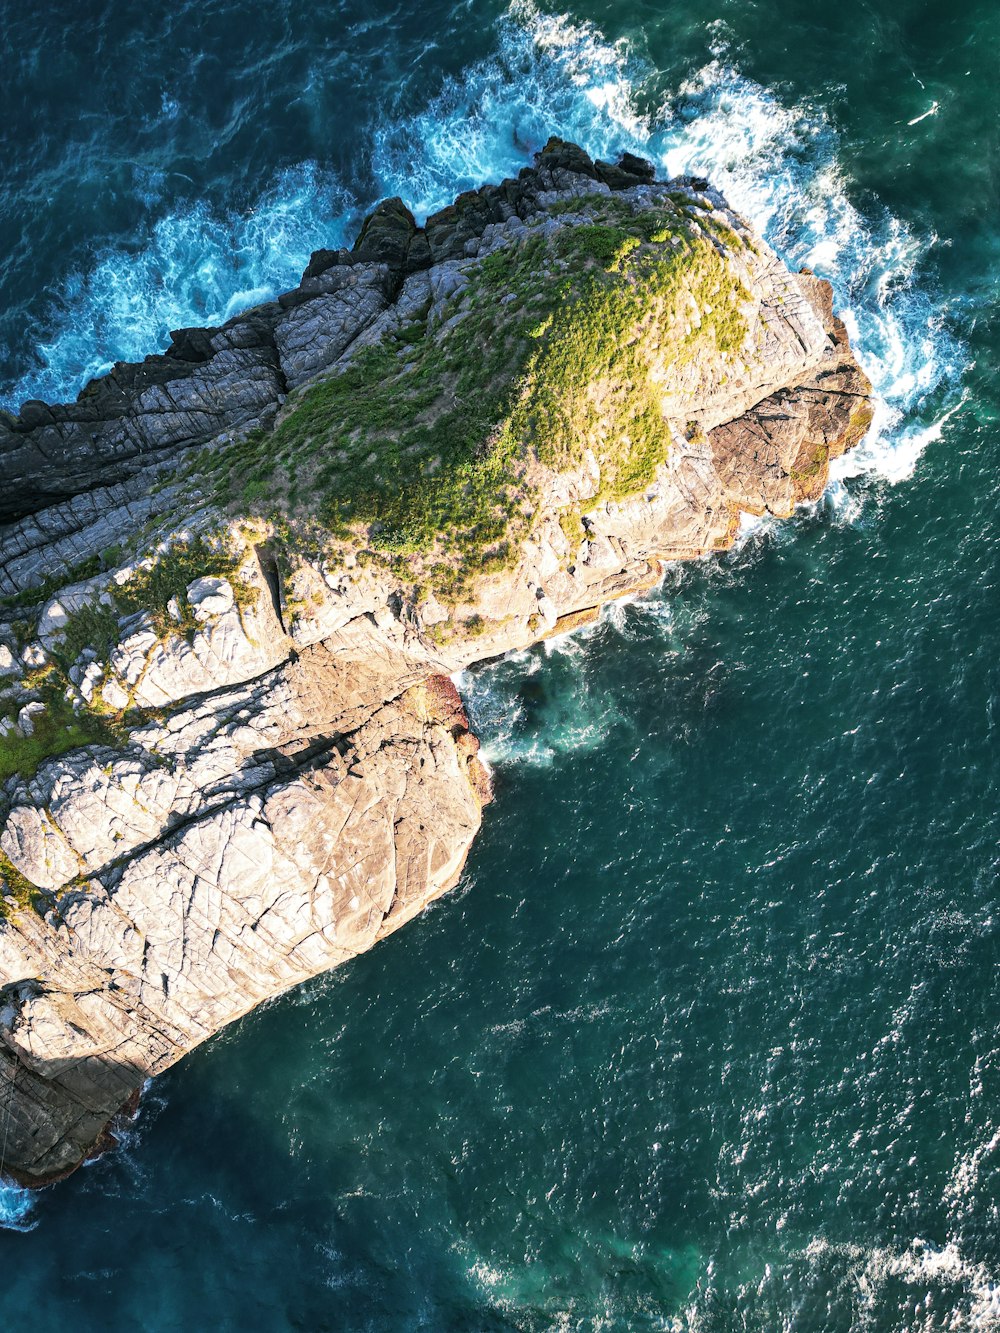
x=284 y=877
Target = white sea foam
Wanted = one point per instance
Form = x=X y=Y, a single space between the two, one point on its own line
x=935 y=1274
x=518 y=722
x=943 y=1290
x=15 y=1208
x=961 y=1194
x=932 y=110
x=550 y=75
x=194 y=268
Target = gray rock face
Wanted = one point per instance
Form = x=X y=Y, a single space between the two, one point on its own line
x=314 y=335
x=139 y=415
x=290 y=775
x=285 y=878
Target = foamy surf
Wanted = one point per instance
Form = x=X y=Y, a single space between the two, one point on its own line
x=928 y=1271
x=938 y=1287
x=549 y=75
x=194 y=268
x=524 y=715
x=15 y=1208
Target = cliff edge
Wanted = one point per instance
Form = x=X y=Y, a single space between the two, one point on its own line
x=236 y=578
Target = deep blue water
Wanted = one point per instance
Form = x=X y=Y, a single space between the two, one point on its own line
x=707 y=1039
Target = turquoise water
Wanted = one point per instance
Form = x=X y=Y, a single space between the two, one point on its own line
x=707 y=1039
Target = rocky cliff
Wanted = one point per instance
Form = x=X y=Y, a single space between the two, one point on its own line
x=236 y=578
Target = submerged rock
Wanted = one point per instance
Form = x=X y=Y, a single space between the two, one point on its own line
x=255 y=561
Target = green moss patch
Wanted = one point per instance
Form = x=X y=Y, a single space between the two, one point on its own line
x=150 y=591
x=27 y=896
x=58 y=729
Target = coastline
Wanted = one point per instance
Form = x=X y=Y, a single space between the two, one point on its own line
x=292 y=719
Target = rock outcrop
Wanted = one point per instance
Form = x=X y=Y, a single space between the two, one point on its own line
x=233 y=756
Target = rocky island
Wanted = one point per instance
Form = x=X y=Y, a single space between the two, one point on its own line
x=235 y=580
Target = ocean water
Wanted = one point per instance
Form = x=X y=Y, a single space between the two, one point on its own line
x=708 y=1038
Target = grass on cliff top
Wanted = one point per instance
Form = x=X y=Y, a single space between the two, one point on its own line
x=423 y=444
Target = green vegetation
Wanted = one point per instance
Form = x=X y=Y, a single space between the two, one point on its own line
x=27 y=896
x=62 y=727
x=819 y=460
x=688 y=201
x=58 y=729
x=150 y=591
x=92 y=626
x=573 y=529
x=581 y=203
x=427 y=445
x=600 y=244
x=590 y=385
x=49 y=587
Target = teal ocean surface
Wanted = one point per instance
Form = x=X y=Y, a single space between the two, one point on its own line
x=708 y=1038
